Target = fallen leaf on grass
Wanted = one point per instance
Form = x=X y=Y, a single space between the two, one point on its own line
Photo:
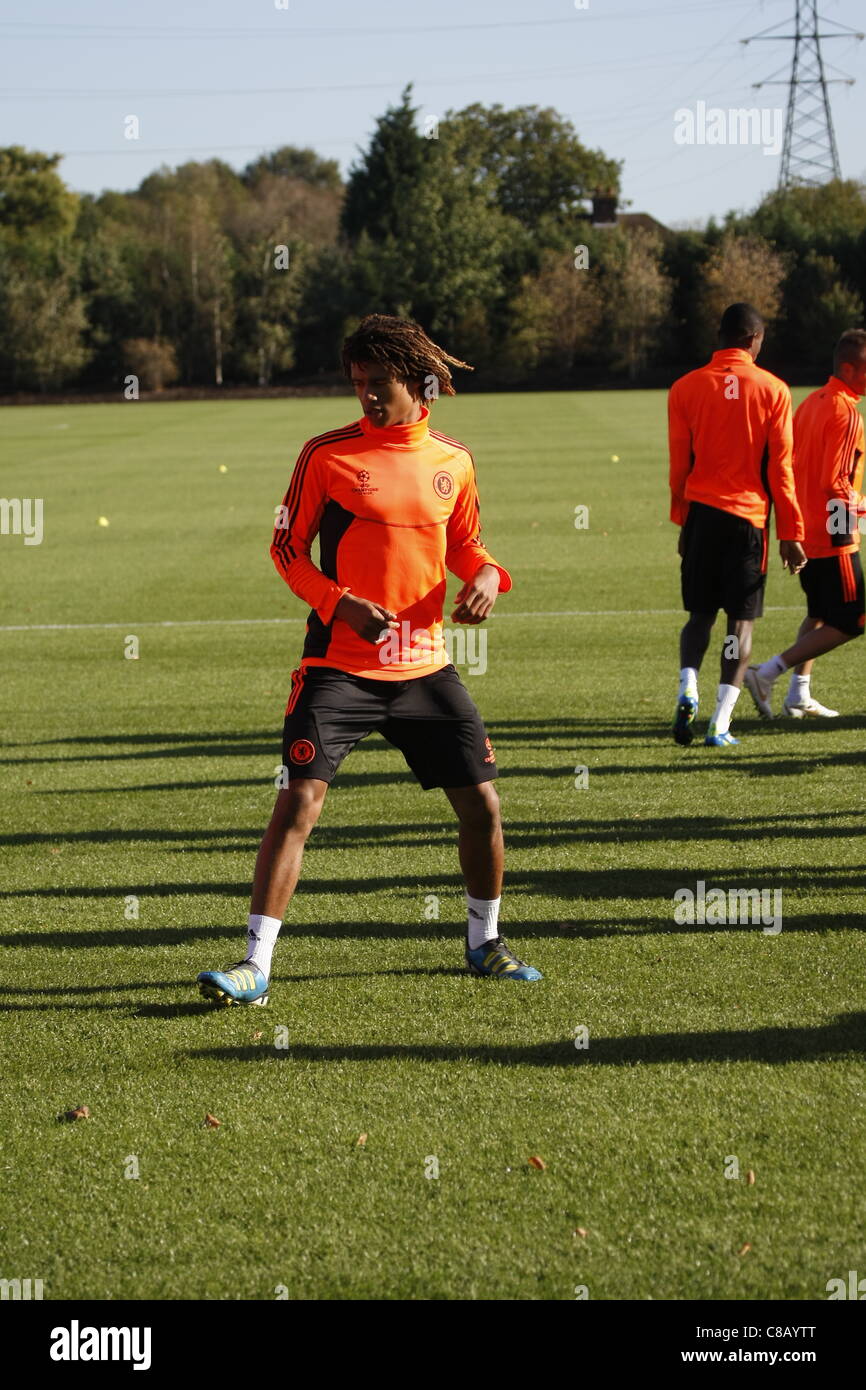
x=211 y=1121
x=745 y=1250
x=258 y=1035
x=81 y=1113
x=750 y=1177
x=581 y=1231
x=537 y=1162
x=362 y=1139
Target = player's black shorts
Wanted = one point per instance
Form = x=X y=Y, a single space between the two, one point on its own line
x=431 y=719
x=835 y=594
x=724 y=563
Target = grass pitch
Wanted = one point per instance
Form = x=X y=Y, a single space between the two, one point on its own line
x=145 y=784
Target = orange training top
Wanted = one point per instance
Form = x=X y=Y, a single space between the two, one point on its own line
x=828 y=465
x=731 y=443
x=393 y=507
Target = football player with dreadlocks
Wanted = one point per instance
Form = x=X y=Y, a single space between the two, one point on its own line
x=394 y=504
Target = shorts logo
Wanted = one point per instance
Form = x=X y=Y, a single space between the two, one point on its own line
x=302 y=751
x=444 y=484
x=491 y=755
x=363 y=483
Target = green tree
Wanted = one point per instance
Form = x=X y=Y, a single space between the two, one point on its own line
x=740 y=268
x=636 y=294
x=42 y=314
x=42 y=342
x=556 y=316
x=386 y=175
x=532 y=163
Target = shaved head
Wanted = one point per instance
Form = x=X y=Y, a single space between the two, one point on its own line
x=740 y=324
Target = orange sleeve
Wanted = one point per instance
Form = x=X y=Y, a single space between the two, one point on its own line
x=780 y=469
x=681 y=456
x=465 y=554
x=297 y=525
x=844 y=439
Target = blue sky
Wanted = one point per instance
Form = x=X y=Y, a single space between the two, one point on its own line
x=234 y=78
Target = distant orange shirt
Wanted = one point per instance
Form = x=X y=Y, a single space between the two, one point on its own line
x=828 y=468
x=730 y=437
x=393 y=508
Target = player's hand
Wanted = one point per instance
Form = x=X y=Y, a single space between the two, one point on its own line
x=475 y=600
x=370 y=620
x=793 y=556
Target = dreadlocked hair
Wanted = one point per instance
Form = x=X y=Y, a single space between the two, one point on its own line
x=403 y=346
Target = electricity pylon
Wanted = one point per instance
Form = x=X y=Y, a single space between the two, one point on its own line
x=809 y=153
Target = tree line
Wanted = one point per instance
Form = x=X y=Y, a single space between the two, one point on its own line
x=477 y=225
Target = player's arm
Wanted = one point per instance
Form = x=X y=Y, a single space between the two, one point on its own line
x=466 y=557
x=780 y=481
x=682 y=459
x=297 y=525
x=844 y=449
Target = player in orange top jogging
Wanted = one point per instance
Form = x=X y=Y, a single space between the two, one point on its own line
x=828 y=470
x=730 y=458
x=394 y=504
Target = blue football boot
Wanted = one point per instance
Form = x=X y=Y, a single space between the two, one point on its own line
x=687 y=709
x=725 y=740
x=497 y=958
x=237 y=984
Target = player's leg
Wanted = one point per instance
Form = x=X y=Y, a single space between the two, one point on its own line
x=701 y=589
x=761 y=689
x=482 y=855
x=694 y=640
x=736 y=651
x=440 y=733
x=327 y=714
x=744 y=572
x=479 y=842
x=835 y=592
x=799 y=700
x=278 y=867
x=278 y=863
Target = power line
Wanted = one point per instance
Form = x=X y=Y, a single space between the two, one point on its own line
x=159 y=93
x=91 y=31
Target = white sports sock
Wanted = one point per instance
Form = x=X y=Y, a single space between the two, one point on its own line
x=262 y=933
x=798 y=690
x=689 y=682
x=483 y=920
x=727 y=698
x=772 y=669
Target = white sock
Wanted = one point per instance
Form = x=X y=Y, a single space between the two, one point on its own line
x=483 y=920
x=262 y=933
x=689 y=682
x=772 y=669
x=727 y=698
x=798 y=690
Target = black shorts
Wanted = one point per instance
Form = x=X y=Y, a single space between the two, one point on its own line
x=834 y=589
x=724 y=563
x=431 y=719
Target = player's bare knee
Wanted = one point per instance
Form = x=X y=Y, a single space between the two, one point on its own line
x=298 y=807
x=478 y=807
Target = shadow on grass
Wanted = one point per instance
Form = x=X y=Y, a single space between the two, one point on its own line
x=694 y=759
x=845 y=1036
x=520 y=834
x=630 y=883
x=589 y=929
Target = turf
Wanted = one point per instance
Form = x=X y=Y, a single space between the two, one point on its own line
x=152 y=779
